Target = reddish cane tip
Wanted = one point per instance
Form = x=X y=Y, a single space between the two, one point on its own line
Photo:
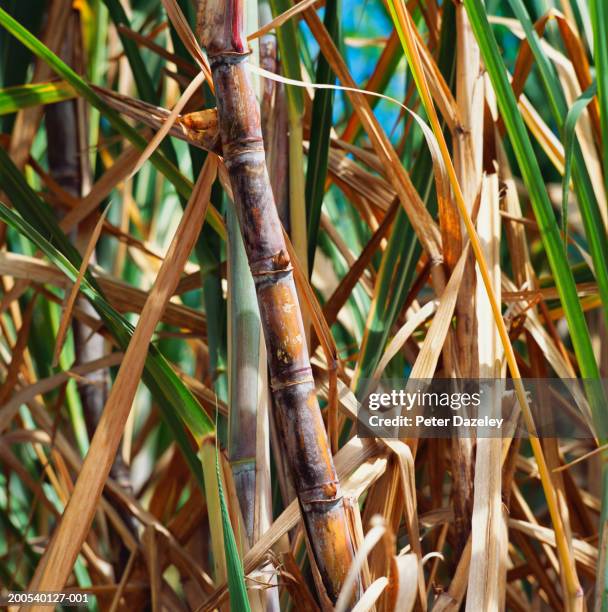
x=238 y=44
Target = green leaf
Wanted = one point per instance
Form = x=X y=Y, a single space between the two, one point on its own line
x=588 y=205
x=234 y=566
x=569 y=139
x=287 y=36
x=318 y=152
x=539 y=199
x=598 y=10
x=97 y=53
x=13 y=99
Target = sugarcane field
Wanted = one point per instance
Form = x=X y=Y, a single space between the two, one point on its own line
x=304 y=305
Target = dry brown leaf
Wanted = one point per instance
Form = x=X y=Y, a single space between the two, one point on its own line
x=180 y=23
x=56 y=565
x=425 y=364
x=27 y=394
x=487 y=576
x=66 y=314
x=407 y=575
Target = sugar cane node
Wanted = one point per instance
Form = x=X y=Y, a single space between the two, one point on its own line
x=227 y=57
x=277 y=386
x=330 y=494
x=243 y=146
x=277 y=263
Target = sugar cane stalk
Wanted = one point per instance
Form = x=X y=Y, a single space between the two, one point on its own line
x=292 y=384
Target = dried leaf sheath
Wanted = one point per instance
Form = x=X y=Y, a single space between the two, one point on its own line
x=292 y=384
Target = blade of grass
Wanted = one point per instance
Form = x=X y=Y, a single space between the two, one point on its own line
x=598 y=10
x=207 y=247
x=468 y=151
x=288 y=44
x=97 y=55
x=142 y=79
x=17 y=97
x=572 y=118
x=599 y=19
x=320 y=122
x=489 y=537
x=236 y=575
x=248 y=444
x=588 y=206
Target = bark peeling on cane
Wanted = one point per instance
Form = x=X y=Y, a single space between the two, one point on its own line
x=292 y=384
